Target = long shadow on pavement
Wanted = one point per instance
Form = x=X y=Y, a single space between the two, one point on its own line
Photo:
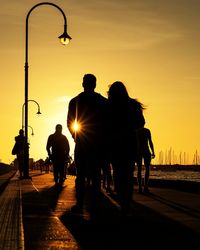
x=144 y=228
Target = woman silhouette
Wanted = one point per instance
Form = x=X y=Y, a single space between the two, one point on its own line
x=126 y=115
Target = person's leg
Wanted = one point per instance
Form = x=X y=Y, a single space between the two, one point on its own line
x=108 y=178
x=114 y=178
x=61 y=172
x=126 y=186
x=80 y=181
x=139 y=174
x=95 y=166
x=80 y=189
x=65 y=171
x=55 y=172
x=104 y=177
x=119 y=180
x=147 y=161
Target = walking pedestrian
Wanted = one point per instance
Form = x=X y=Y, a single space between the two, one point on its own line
x=145 y=153
x=18 y=150
x=88 y=111
x=126 y=115
x=58 y=151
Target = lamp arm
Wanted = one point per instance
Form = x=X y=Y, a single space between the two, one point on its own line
x=35 y=102
x=27 y=17
x=23 y=110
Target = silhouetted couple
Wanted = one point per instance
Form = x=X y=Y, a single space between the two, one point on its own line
x=106 y=135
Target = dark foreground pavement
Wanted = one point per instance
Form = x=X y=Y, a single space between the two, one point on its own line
x=165 y=219
x=162 y=220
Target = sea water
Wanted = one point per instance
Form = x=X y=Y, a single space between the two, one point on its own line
x=185 y=175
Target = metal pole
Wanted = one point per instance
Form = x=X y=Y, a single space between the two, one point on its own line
x=26 y=146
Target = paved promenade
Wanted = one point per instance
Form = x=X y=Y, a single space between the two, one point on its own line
x=165 y=219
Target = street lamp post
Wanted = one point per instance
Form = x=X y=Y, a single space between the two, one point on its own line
x=64 y=38
x=38 y=112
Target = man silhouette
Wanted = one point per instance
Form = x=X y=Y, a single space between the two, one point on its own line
x=58 y=151
x=88 y=110
x=18 y=150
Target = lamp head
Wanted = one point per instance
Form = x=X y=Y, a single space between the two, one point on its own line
x=38 y=113
x=65 y=38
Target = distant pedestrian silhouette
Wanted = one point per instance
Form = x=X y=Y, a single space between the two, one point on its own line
x=18 y=150
x=58 y=151
x=88 y=110
x=126 y=115
x=145 y=153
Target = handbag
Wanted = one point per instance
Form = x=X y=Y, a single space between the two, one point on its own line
x=14 y=150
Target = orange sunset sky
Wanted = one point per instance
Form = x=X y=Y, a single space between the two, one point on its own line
x=153 y=46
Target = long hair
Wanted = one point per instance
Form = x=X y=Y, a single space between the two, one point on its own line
x=118 y=93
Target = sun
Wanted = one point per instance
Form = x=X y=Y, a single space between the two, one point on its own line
x=76 y=126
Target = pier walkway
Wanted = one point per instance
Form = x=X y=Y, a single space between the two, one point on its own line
x=37 y=216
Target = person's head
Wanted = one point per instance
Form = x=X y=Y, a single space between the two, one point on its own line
x=59 y=128
x=21 y=132
x=89 y=82
x=117 y=91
